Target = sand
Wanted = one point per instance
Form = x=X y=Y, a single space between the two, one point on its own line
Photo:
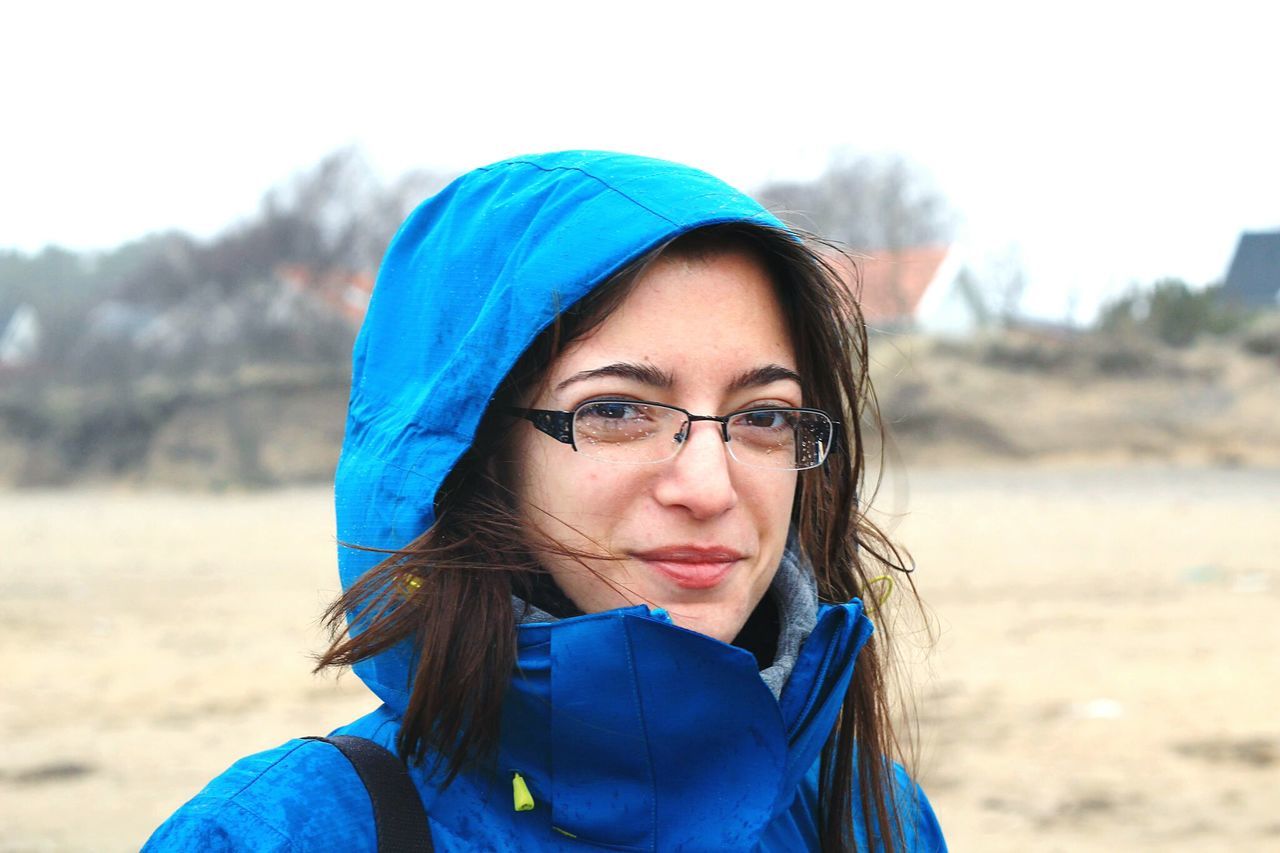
x=1107 y=669
x=1105 y=677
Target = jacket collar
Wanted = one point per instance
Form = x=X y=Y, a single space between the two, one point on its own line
x=619 y=721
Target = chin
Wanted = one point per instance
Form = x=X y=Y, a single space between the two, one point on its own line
x=717 y=625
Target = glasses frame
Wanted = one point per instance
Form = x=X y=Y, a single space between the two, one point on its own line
x=559 y=425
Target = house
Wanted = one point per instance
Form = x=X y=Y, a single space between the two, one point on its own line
x=922 y=288
x=1253 y=281
x=342 y=292
x=20 y=338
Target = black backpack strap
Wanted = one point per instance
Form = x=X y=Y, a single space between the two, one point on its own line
x=398 y=816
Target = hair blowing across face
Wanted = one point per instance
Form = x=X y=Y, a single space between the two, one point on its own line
x=449 y=592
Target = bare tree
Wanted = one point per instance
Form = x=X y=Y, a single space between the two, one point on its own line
x=866 y=203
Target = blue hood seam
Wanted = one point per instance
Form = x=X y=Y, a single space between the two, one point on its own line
x=593 y=177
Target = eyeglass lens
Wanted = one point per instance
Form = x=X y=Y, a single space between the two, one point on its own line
x=615 y=431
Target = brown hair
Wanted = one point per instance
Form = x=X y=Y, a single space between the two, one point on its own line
x=450 y=590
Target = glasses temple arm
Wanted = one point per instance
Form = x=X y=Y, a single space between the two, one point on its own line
x=558 y=425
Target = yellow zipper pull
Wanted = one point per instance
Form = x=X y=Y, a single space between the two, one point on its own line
x=520 y=793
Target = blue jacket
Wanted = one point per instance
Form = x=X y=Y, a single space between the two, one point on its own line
x=629 y=732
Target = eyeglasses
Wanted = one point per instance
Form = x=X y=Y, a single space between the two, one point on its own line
x=637 y=432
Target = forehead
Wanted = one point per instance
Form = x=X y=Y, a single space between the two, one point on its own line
x=706 y=314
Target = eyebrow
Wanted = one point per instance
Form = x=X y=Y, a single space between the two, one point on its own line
x=765 y=375
x=647 y=374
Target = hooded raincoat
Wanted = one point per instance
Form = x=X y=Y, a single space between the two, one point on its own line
x=629 y=732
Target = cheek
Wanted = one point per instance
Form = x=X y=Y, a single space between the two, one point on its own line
x=552 y=478
x=579 y=492
x=526 y=474
x=774 y=500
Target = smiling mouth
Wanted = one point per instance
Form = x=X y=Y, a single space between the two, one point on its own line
x=691 y=567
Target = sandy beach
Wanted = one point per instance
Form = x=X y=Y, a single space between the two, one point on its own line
x=1105 y=673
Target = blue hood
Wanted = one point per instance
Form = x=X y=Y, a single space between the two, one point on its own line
x=469 y=281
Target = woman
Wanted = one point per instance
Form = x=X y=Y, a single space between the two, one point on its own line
x=598 y=507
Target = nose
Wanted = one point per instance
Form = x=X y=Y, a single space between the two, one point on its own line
x=699 y=479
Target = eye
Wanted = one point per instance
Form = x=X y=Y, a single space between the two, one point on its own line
x=619 y=421
x=612 y=411
x=764 y=419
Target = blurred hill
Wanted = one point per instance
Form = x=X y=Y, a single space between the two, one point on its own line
x=1023 y=396
x=256 y=427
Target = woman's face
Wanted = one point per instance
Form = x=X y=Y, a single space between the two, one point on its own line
x=700 y=535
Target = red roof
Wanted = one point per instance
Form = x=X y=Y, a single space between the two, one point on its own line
x=345 y=292
x=890 y=284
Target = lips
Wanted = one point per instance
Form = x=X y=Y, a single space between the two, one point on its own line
x=691 y=566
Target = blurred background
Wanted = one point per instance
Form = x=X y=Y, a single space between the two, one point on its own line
x=1066 y=220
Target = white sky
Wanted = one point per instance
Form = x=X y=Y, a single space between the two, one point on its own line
x=1109 y=142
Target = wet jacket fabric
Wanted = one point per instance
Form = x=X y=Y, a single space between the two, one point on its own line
x=628 y=732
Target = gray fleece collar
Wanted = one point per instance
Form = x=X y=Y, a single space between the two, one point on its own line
x=795 y=592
